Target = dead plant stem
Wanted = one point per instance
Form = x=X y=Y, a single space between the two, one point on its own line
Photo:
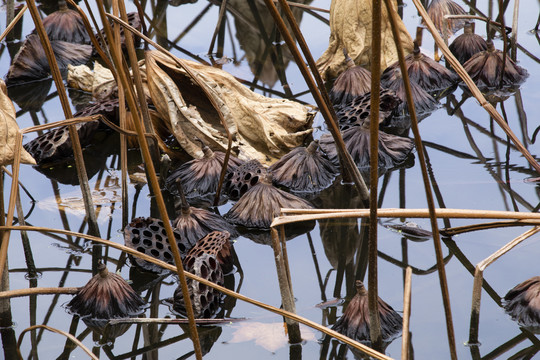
x=406 y=339
x=285 y=289
x=137 y=79
x=66 y=334
x=373 y=293
x=11 y=205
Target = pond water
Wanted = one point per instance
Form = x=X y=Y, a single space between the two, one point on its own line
x=470 y=160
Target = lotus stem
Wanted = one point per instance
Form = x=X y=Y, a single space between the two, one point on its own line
x=373 y=295
x=285 y=288
x=137 y=79
x=406 y=337
x=68 y=335
x=11 y=205
x=37 y=291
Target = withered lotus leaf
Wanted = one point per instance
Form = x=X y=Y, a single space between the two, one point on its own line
x=262 y=128
x=350 y=28
x=9 y=130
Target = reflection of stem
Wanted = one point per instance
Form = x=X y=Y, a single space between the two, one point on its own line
x=221 y=18
x=317 y=268
x=193 y=22
x=484 y=161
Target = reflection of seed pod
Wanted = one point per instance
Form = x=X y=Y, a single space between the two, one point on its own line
x=216 y=243
x=205 y=300
x=354 y=322
x=357 y=111
x=522 y=303
x=393 y=150
x=304 y=169
x=201 y=176
x=30 y=63
x=106 y=296
x=486 y=69
x=66 y=25
x=353 y=82
x=148 y=235
x=260 y=204
x=243 y=178
x=437 y=9
x=467 y=44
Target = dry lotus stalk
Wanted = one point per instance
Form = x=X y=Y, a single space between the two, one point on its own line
x=262 y=128
x=9 y=130
x=350 y=28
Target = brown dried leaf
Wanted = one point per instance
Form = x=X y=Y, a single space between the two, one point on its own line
x=262 y=128
x=9 y=130
x=350 y=28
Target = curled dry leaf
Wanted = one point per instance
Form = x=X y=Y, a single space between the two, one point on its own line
x=350 y=28
x=9 y=130
x=262 y=128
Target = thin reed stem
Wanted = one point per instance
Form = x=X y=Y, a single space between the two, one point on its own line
x=373 y=293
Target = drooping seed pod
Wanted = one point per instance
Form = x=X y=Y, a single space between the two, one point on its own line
x=194 y=223
x=148 y=235
x=66 y=25
x=393 y=150
x=358 y=111
x=487 y=70
x=355 y=322
x=200 y=177
x=353 y=82
x=258 y=207
x=437 y=9
x=467 y=44
x=30 y=63
x=304 y=169
x=210 y=259
x=106 y=296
